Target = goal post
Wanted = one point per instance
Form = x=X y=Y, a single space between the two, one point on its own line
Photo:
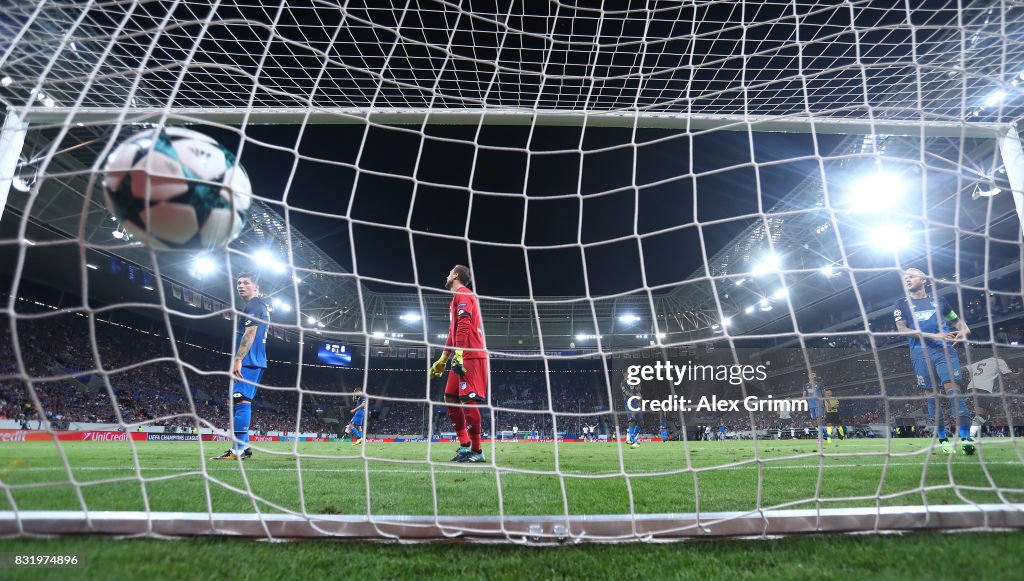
x=681 y=193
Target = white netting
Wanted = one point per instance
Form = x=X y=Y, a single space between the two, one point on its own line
x=721 y=183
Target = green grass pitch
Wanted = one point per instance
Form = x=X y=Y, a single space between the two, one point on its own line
x=599 y=478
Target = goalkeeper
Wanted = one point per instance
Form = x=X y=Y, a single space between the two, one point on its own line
x=466 y=387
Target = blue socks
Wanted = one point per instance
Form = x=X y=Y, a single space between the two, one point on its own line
x=243 y=415
x=632 y=432
x=960 y=409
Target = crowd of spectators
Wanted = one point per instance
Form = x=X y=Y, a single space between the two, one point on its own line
x=81 y=372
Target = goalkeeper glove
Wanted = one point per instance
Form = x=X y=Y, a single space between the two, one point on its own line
x=437 y=369
x=457 y=365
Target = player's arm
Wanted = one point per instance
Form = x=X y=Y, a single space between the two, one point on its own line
x=248 y=337
x=962 y=330
x=465 y=309
x=899 y=314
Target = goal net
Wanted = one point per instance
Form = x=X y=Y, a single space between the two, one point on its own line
x=692 y=229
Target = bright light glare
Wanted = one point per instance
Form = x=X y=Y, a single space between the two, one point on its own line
x=310 y=320
x=285 y=308
x=628 y=319
x=118 y=234
x=203 y=265
x=378 y=334
x=827 y=270
x=995 y=98
x=6 y=81
x=726 y=321
x=890 y=237
x=749 y=309
x=278 y=267
x=411 y=317
x=765 y=305
x=877 y=192
x=781 y=293
x=770 y=263
x=276 y=302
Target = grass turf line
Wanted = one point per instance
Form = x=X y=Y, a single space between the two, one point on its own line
x=917 y=556
x=600 y=478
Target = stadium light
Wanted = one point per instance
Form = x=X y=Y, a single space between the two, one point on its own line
x=378 y=334
x=319 y=324
x=876 y=192
x=780 y=294
x=827 y=270
x=749 y=309
x=765 y=305
x=296 y=278
x=726 y=321
x=995 y=98
x=740 y=281
x=92 y=266
x=411 y=317
x=118 y=234
x=311 y=320
x=890 y=237
x=770 y=263
x=203 y=265
x=6 y=81
x=285 y=307
x=276 y=302
x=628 y=319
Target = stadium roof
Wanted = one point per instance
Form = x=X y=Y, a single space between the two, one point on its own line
x=938 y=63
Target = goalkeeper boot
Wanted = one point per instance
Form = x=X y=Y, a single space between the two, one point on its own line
x=357 y=441
x=229 y=455
x=634 y=445
x=967 y=447
x=247 y=453
x=462 y=453
x=947 y=446
x=473 y=457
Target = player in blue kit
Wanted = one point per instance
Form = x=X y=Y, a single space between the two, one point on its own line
x=663 y=429
x=358 y=417
x=936 y=328
x=633 y=414
x=813 y=393
x=249 y=363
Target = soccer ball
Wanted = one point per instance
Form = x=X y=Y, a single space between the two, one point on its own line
x=176 y=189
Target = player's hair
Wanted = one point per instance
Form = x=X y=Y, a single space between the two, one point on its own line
x=462 y=272
x=249 y=276
x=916 y=270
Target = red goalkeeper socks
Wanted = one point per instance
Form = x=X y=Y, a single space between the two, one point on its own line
x=473 y=419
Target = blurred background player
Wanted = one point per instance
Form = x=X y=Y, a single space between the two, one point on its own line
x=467 y=381
x=249 y=363
x=663 y=429
x=984 y=375
x=832 y=417
x=633 y=417
x=358 y=417
x=933 y=353
x=515 y=433
x=815 y=405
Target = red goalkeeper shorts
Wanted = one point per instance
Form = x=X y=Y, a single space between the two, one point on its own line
x=473 y=385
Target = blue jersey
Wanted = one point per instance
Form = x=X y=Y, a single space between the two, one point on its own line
x=629 y=391
x=932 y=316
x=255 y=314
x=813 y=391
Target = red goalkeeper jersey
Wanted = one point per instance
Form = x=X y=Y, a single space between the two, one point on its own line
x=465 y=331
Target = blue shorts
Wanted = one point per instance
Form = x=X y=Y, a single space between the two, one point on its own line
x=357 y=418
x=929 y=361
x=246 y=387
x=815 y=408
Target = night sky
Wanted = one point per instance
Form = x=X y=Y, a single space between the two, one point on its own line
x=520 y=185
